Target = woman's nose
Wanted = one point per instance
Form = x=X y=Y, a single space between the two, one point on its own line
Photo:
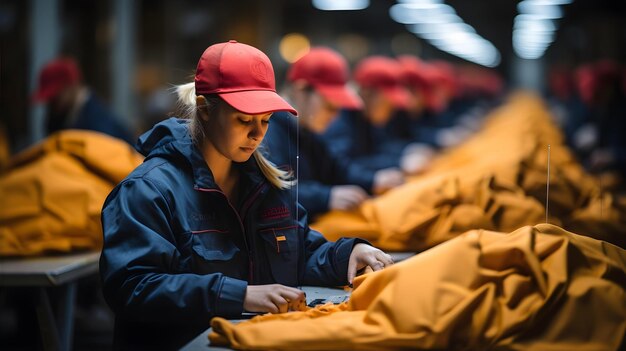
x=256 y=132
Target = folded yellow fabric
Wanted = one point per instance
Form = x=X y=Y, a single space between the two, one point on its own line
x=537 y=288
x=495 y=180
x=52 y=193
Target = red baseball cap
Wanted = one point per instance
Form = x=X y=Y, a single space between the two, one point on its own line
x=54 y=77
x=385 y=74
x=585 y=82
x=242 y=76
x=327 y=71
x=415 y=72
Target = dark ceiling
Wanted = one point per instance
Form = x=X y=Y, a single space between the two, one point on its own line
x=589 y=30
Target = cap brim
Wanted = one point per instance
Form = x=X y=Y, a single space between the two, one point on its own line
x=340 y=96
x=398 y=96
x=256 y=102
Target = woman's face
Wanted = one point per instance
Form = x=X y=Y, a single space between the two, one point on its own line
x=416 y=102
x=379 y=108
x=234 y=134
x=320 y=113
x=315 y=112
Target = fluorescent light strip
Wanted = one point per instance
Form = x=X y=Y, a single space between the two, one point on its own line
x=535 y=27
x=340 y=5
x=439 y=24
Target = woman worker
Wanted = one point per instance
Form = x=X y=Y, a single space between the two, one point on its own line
x=206 y=226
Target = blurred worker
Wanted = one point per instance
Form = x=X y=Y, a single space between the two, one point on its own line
x=363 y=136
x=429 y=117
x=71 y=105
x=568 y=109
x=607 y=118
x=317 y=89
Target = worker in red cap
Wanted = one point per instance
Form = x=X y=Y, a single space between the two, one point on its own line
x=431 y=119
x=417 y=77
x=205 y=226
x=317 y=86
x=370 y=137
x=599 y=140
x=71 y=105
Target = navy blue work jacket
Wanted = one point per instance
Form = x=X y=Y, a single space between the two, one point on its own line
x=353 y=137
x=318 y=168
x=96 y=116
x=177 y=252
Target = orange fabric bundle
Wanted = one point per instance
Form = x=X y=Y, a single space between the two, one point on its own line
x=495 y=180
x=52 y=193
x=538 y=288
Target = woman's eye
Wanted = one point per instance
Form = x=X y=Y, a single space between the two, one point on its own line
x=243 y=121
x=266 y=122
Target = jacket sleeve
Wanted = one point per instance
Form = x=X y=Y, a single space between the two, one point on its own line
x=339 y=170
x=314 y=196
x=140 y=265
x=339 y=137
x=332 y=170
x=326 y=262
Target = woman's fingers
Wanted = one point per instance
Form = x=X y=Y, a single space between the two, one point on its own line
x=285 y=296
x=364 y=255
x=281 y=305
x=351 y=271
x=386 y=259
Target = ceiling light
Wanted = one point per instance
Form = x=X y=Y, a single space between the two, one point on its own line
x=340 y=5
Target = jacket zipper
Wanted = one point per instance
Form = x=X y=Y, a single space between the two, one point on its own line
x=246 y=206
x=244 y=212
x=244 y=209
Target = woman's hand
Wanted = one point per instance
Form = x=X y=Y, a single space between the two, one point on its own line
x=386 y=179
x=273 y=298
x=364 y=255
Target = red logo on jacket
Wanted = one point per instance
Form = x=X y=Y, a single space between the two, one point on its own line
x=275 y=213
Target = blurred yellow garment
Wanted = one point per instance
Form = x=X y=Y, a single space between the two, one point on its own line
x=537 y=288
x=52 y=193
x=495 y=180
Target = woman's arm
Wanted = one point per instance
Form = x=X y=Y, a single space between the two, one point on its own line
x=141 y=268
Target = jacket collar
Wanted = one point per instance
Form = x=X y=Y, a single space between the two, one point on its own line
x=171 y=139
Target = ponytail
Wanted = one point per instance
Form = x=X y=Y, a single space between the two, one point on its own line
x=186 y=100
x=186 y=108
x=279 y=178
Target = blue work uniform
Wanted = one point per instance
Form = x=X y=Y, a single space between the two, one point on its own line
x=94 y=115
x=177 y=252
x=318 y=168
x=353 y=137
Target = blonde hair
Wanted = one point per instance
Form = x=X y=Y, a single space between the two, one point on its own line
x=186 y=108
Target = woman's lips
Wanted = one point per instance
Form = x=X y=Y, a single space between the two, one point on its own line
x=248 y=148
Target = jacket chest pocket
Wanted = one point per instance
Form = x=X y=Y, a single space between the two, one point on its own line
x=213 y=250
x=282 y=250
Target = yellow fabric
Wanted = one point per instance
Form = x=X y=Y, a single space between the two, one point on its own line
x=495 y=180
x=537 y=288
x=52 y=193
